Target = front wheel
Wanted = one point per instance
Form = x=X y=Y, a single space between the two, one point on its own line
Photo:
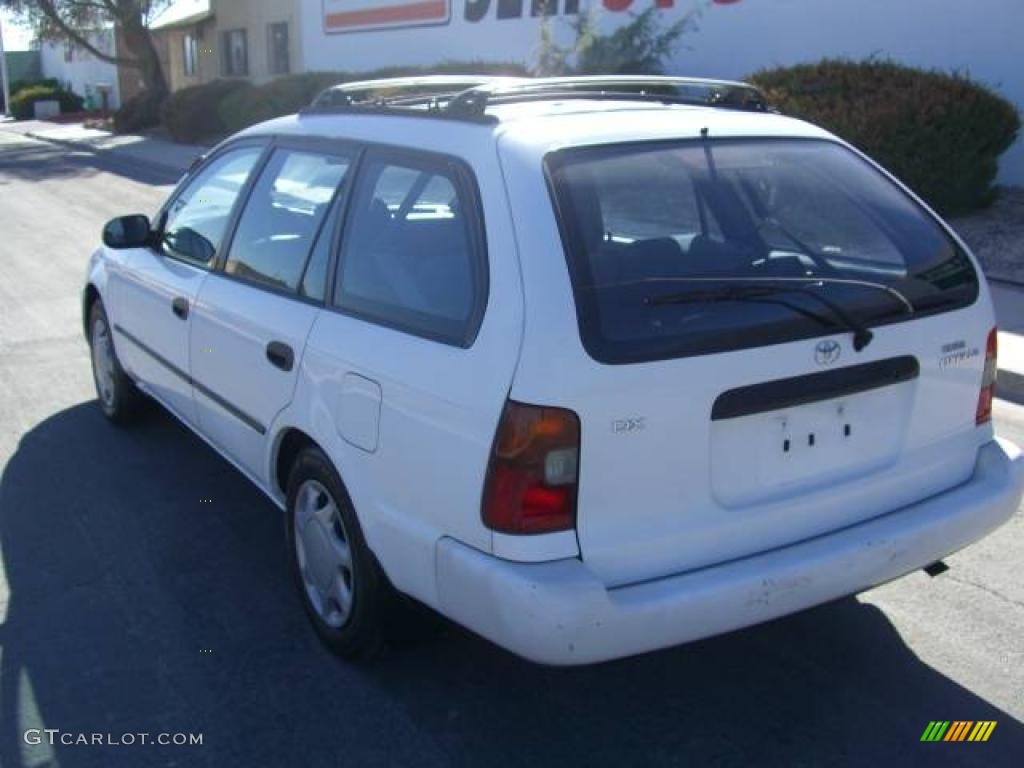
x=119 y=397
x=342 y=588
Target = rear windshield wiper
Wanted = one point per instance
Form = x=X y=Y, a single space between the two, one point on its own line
x=762 y=292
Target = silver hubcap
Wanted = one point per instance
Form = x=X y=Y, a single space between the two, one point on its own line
x=103 y=361
x=323 y=552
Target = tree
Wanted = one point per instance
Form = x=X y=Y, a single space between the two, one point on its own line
x=639 y=47
x=74 y=20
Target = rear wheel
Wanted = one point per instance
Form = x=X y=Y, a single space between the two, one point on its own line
x=342 y=588
x=118 y=396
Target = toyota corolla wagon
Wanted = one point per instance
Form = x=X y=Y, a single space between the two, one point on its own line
x=590 y=366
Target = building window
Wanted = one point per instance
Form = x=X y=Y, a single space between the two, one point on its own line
x=190 y=54
x=277 y=41
x=235 y=49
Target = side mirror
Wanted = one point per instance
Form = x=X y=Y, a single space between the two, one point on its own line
x=128 y=232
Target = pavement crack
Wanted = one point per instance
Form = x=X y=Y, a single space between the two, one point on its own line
x=987 y=590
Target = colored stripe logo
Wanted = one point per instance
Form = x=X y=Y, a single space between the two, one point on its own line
x=357 y=15
x=958 y=730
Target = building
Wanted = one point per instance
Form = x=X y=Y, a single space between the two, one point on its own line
x=732 y=38
x=23 y=65
x=81 y=71
x=201 y=40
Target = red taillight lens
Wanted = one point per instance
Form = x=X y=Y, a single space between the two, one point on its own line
x=532 y=477
x=988 y=381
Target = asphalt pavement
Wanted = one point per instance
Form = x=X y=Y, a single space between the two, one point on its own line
x=130 y=606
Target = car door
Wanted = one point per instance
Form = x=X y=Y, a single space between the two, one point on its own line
x=404 y=361
x=154 y=293
x=255 y=310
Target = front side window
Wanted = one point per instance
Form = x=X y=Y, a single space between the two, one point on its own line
x=235 y=53
x=283 y=216
x=412 y=255
x=198 y=217
x=684 y=248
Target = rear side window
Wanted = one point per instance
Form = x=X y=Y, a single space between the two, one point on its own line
x=283 y=216
x=695 y=247
x=412 y=255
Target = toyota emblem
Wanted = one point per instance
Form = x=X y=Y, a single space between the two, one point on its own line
x=826 y=352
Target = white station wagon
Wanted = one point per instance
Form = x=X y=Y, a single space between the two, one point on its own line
x=590 y=366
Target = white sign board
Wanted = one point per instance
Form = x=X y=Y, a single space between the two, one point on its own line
x=363 y=15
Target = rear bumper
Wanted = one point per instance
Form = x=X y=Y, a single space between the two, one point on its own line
x=559 y=613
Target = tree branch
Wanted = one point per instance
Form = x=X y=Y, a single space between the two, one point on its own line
x=50 y=11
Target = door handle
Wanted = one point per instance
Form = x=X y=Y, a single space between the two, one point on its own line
x=280 y=355
x=179 y=306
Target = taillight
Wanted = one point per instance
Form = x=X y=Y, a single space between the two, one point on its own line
x=532 y=476
x=988 y=381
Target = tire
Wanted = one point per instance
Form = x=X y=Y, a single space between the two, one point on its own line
x=119 y=398
x=345 y=597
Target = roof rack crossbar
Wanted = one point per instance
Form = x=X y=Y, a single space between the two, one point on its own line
x=681 y=90
x=467 y=98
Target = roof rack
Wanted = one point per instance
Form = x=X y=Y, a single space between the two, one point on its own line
x=468 y=97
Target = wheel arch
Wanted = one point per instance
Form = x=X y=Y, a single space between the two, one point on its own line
x=289 y=443
x=90 y=295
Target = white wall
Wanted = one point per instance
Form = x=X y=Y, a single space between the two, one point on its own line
x=984 y=38
x=84 y=69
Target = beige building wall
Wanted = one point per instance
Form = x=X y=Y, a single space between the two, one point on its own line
x=255 y=17
x=171 y=43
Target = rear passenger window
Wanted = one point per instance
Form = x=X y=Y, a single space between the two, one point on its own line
x=283 y=217
x=409 y=256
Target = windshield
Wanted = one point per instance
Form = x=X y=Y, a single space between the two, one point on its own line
x=692 y=221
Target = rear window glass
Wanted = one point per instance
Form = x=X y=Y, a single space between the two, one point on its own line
x=687 y=248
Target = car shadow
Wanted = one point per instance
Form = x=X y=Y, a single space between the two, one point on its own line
x=149 y=594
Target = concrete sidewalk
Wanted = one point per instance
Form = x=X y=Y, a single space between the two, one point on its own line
x=161 y=154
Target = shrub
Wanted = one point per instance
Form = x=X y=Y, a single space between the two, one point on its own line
x=940 y=133
x=248 y=106
x=192 y=113
x=286 y=95
x=22 y=103
x=140 y=111
x=20 y=85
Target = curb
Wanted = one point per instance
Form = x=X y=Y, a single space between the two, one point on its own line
x=1010 y=386
x=1005 y=281
x=1010 y=374
x=152 y=165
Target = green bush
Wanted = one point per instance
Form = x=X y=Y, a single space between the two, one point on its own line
x=20 y=85
x=23 y=101
x=248 y=106
x=940 y=133
x=287 y=95
x=140 y=111
x=193 y=113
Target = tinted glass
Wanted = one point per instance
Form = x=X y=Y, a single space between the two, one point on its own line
x=283 y=215
x=656 y=234
x=408 y=257
x=197 y=218
x=314 y=281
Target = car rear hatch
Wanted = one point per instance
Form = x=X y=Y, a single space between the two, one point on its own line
x=779 y=342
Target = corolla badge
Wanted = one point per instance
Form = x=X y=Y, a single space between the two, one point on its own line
x=826 y=352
